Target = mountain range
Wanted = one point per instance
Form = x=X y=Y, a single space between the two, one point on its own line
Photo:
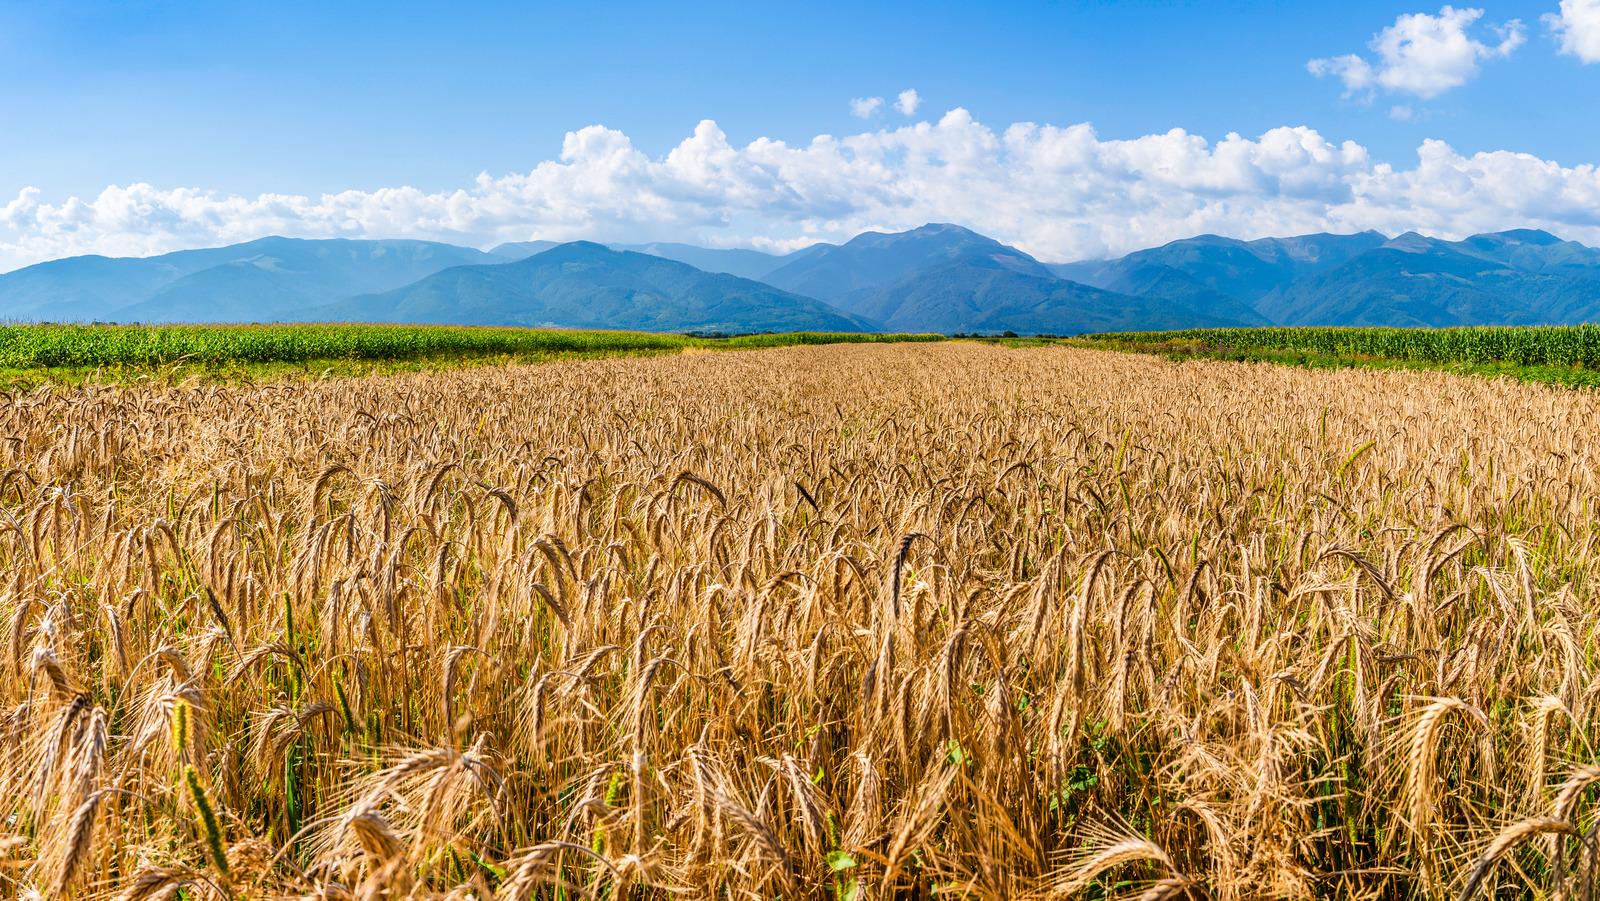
x=937 y=278
x=257 y=281
x=586 y=285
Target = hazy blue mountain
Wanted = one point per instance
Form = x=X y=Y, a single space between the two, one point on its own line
x=84 y=287
x=1512 y=277
x=1532 y=250
x=1179 y=288
x=874 y=258
x=1244 y=270
x=945 y=278
x=585 y=285
x=88 y=287
x=1418 y=281
x=937 y=277
x=521 y=250
x=972 y=296
x=284 y=274
x=743 y=262
x=255 y=281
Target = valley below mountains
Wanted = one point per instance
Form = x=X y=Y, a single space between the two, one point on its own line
x=937 y=278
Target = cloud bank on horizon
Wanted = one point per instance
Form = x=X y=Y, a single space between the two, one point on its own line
x=1061 y=193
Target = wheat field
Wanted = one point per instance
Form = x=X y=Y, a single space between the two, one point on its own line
x=858 y=622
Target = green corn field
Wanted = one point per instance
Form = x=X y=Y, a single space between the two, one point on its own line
x=1575 y=345
x=67 y=346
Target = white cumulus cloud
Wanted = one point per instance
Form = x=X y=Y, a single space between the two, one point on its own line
x=1356 y=73
x=1577 y=28
x=1060 y=193
x=1424 y=55
x=865 y=106
x=908 y=102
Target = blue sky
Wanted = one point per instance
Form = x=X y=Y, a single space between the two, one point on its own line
x=195 y=111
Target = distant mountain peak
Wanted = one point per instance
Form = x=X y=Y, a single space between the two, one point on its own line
x=518 y=250
x=934 y=230
x=1411 y=242
x=574 y=248
x=878 y=258
x=583 y=284
x=1535 y=236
